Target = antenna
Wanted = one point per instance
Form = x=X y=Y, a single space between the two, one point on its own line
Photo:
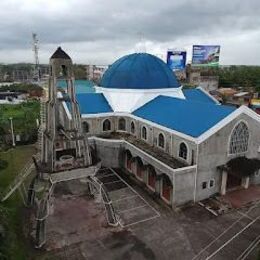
x=36 y=72
x=141 y=46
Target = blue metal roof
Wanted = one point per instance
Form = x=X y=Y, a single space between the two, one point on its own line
x=139 y=71
x=188 y=117
x=93 y=103
x=197 y=95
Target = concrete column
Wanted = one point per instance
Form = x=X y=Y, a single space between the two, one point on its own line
x=158 y=186
x=245 y=182
x=145 y=176
x=223 y=183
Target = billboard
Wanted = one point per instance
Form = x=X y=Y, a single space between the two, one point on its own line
x=176 y=60
x=205 y=55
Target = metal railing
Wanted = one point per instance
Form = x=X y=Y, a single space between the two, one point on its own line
x=18 y=181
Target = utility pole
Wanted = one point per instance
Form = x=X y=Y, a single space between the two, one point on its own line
x=12 y=131
x=36 y=72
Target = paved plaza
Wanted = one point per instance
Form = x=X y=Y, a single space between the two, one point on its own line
x=148 y=229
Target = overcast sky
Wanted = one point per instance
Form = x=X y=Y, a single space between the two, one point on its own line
x=99 y=32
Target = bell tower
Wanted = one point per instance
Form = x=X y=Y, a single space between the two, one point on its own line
x=64 y=145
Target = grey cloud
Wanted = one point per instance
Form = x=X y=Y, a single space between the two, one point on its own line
x=110 y=28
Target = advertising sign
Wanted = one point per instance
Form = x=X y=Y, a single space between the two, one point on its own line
x=176 y=60
x=205 y=55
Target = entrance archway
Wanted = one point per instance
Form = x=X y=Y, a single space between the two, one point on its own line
x=236 y=173
x=128 y=160
x=151 y=181
x=139 y=168
x=166 y=188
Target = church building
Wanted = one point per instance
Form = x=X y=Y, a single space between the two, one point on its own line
x=180 y=144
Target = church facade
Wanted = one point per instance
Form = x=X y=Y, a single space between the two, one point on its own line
x=181 y=145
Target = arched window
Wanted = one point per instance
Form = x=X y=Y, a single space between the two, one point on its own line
x=161 y=141
x=132 y=127
x=239 y=139
x=121 y=124
x=144 y=133
x=183 y=151
x=85 y=127
x=107 y=125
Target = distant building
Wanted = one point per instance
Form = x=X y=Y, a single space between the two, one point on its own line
x=95 y=72
x=194 y=77
x=255 y=105
x=12 y=98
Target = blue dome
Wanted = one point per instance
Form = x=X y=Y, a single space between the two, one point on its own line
x=139 y=71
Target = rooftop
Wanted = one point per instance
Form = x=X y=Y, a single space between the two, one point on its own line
x=189 y=117
x=60 y=54
x=197 y=94
x=93 y=103
x=139 y=71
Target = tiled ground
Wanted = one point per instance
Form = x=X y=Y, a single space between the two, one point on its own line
x=239 y=198
x=77 y=229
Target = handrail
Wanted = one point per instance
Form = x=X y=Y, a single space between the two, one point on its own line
x=24 y=173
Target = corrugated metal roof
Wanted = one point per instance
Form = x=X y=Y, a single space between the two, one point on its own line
x=197 y=95
x=93 y=103
x=185 y=116
x=139 y=71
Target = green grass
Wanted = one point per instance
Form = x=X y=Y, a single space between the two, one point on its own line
x=14 y=246
x=24 y=117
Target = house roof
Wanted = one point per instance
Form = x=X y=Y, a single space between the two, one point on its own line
x=197 y=94
x=93 y=103
x=185 y=116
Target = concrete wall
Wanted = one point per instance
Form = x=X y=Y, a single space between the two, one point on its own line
x=172 y=141
x=183 y=179
x=214 y=152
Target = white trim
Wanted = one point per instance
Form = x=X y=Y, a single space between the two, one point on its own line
x=241 y=110
x=230 y=136
x=142 y=91
x=67 y=110
x=211 y=97
x=177 y=170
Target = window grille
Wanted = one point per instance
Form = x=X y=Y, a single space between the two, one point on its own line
x=239 y=139
x=121 y=124
x=85 y=127
x=183 y=151
x=161 y=141
x=106 y=125
x=132 y=127
x=144 y=133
